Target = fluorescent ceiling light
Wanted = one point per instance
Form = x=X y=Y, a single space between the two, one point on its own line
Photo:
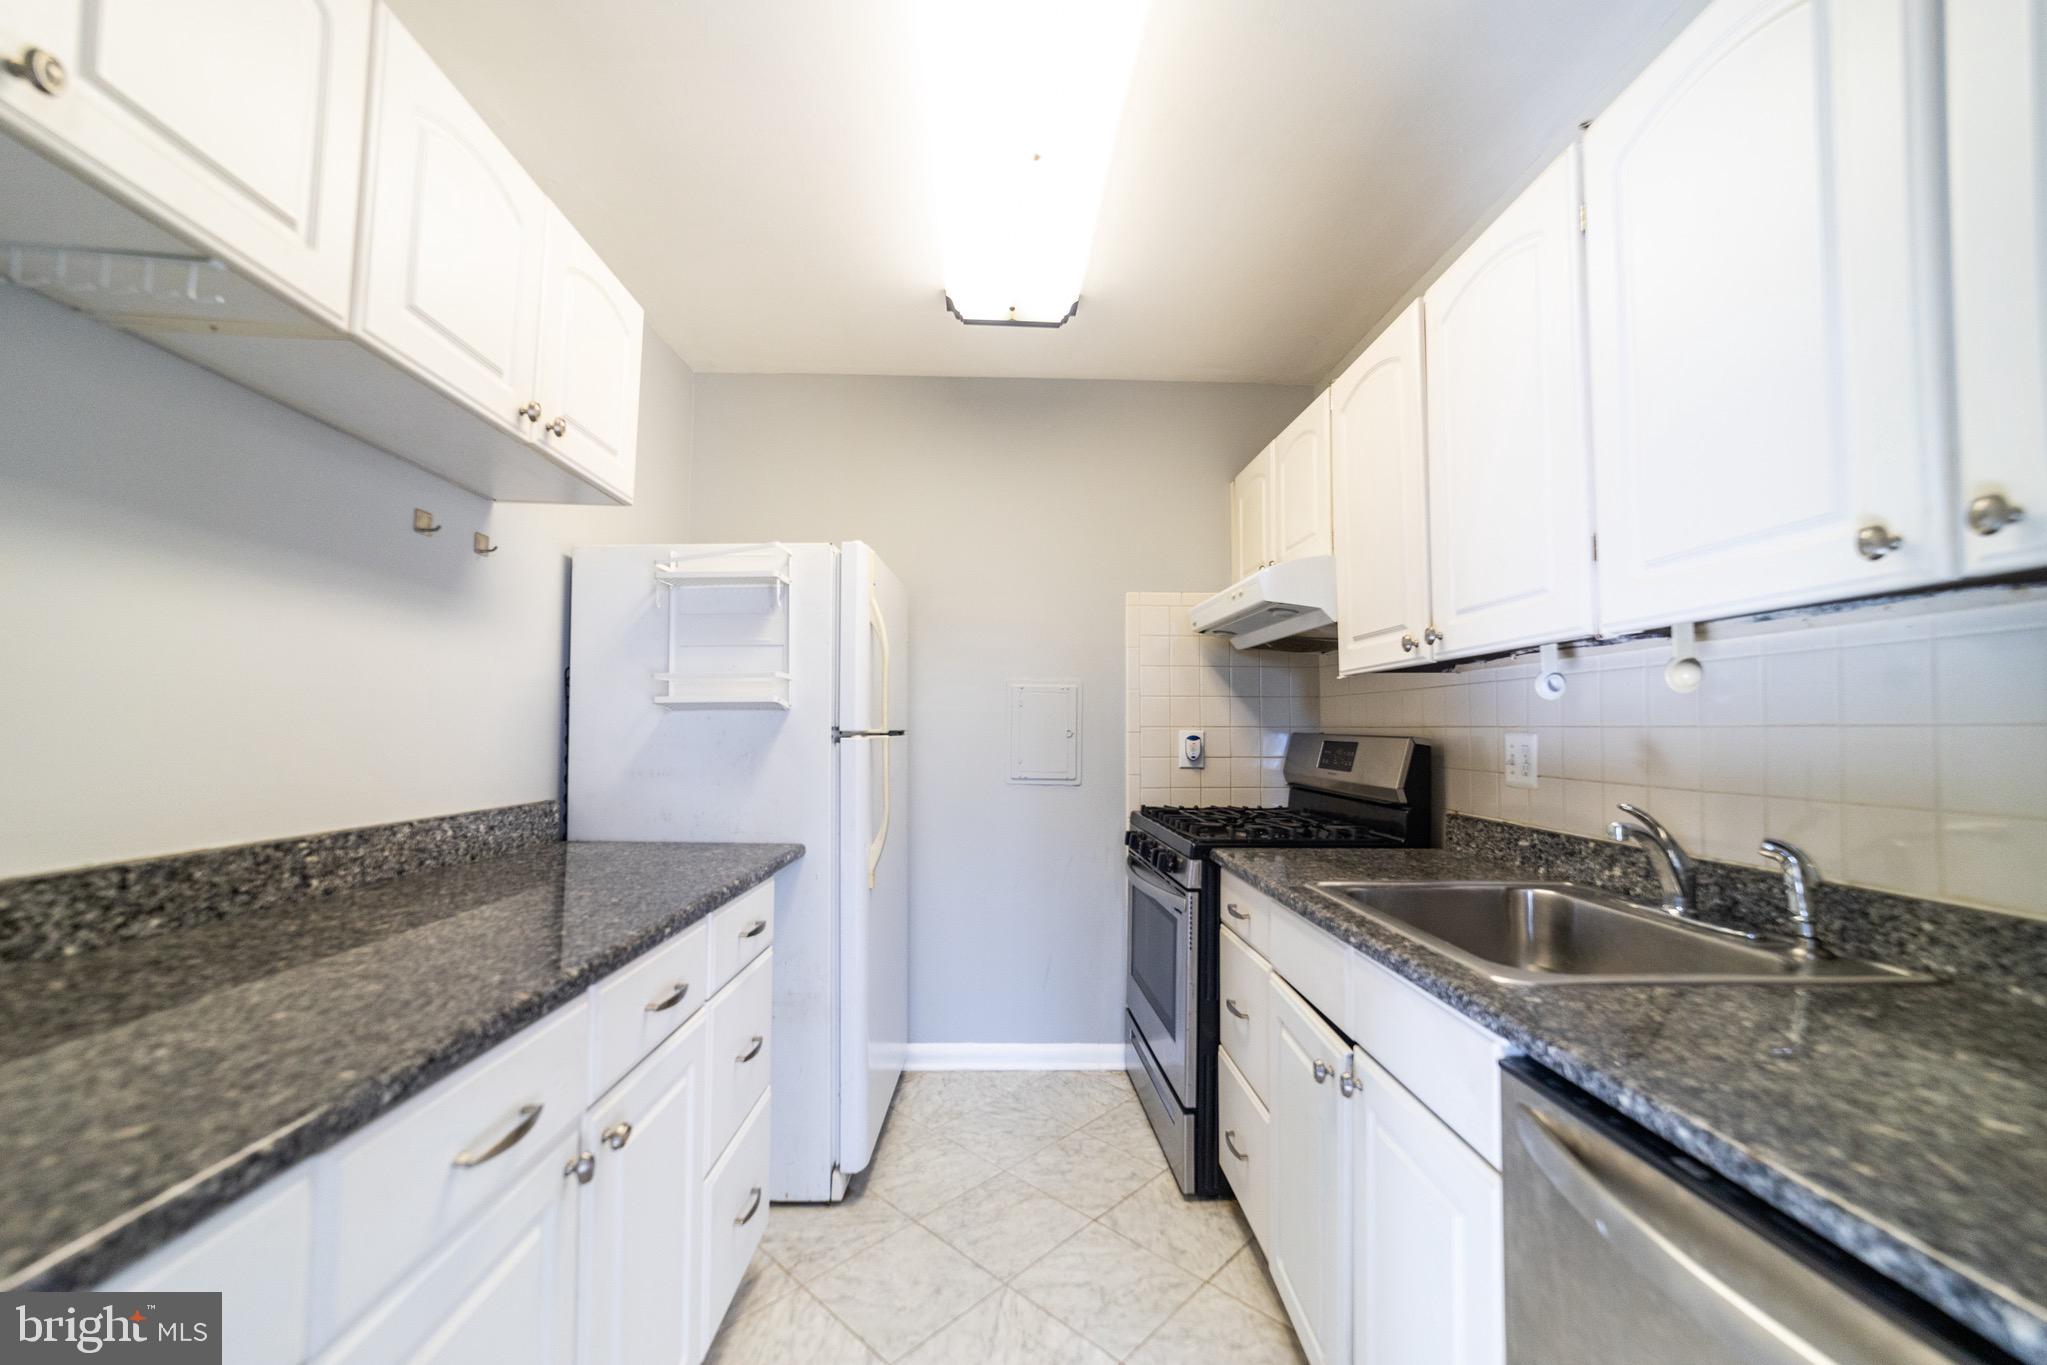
x=1021 y=103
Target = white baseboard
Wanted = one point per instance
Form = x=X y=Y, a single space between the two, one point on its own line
x=1013 y=1057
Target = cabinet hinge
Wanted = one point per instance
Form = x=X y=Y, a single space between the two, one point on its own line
x=1595 y=549
x=1581 y=216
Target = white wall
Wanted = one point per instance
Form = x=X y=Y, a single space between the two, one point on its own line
x=217 y=625
x=1018 y=512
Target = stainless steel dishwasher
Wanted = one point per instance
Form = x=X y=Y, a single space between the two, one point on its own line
x=1622 y=1250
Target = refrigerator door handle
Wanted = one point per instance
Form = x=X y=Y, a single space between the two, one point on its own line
x=838 y=734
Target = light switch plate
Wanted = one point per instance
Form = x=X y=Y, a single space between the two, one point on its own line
x=1520 y=756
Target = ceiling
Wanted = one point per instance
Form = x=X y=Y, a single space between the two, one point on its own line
x=1285 y=174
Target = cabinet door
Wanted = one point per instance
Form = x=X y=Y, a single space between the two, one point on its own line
x=642 y=1249
x=1379 y=471
x=1510 y=499
x=589 y=361
x=1300 y=484
x=1997 y=186
x=1251 y=531
x=1311 y=1177
x=502 y=1291
x=454 y=238
x=1765 y=354
x=236 y=124
x=1429 y=1274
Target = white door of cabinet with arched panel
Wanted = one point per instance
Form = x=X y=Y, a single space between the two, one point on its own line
x=589 y=374
x=1300 y=484
x=1509 y=490
x=1252 y=533
x=1765 y=314
x=1379 y=471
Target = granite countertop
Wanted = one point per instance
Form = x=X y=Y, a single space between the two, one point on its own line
x=1905 y=1124
x=146 y=1084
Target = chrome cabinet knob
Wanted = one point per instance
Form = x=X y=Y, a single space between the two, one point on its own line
x=1432 y=635
x=530 y=410
x=1993 y=512
x=559 y=426
x=1408 y=644
x=40 y=69
x=581 y=1168
x=1875 y=540
x=1348 y=1084
x=617 y=1136
x=1322 y=1071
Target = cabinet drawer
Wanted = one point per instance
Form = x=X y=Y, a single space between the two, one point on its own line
x=401 y=1187
x=735 y=1213
x=1449 y=1063
x=1245 y=1148
x=258 y=1255
x=740 y=1055
x=741 y=932
x=1246 y=911
x=1312 y=962
x=644 y=1002
x=502 y=1290
x=1245 y=1030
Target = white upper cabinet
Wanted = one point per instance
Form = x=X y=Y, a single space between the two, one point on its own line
x=589 y=373
x=1380 y=476
x=1764 y=306
x=1252 y=533
x=1300 y=484
x=1429 y=1265
x=455 y=235
x=1997 y=184
x=1510 y=515
x=235 y=125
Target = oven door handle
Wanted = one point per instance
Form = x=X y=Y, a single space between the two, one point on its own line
x=1144 y=878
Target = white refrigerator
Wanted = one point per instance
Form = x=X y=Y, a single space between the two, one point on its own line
x=757 y=693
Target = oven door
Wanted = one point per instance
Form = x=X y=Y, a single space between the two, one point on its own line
x=1160 y=988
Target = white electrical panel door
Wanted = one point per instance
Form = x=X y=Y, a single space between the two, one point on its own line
x=1380 y=471
x=1044 y=732
x=1764 y=319
x=229 y=122
x=1997 y=187
x=1510 y=507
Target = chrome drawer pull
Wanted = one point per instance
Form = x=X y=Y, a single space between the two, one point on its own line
x=582 y=1167
x=1231 y=1006
x=1230 y=1141
x=758 y=1043
x=529 y=1114
x=756 y=929
x=751 y=1209
x=1235 y=913
x=617 y=1136
x=671 y=1000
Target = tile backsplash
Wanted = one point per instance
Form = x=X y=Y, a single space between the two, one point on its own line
x=1247 y=702
x=1904 y=745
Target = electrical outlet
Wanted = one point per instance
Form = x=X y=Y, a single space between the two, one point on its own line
x=1520 y=759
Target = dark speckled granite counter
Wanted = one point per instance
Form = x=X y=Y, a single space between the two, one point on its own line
x=1906 y=1124
x=146 y=1084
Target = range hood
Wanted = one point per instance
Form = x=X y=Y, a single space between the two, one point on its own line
x=1283 y=606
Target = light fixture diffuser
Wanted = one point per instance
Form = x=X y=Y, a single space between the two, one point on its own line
x=1021 y=104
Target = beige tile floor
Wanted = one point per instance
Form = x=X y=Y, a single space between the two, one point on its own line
x=1009 y=1218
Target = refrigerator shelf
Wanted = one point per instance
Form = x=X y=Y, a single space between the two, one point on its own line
x=729 y=692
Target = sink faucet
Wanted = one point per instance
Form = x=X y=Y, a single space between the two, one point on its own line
x=1801 y=877
x=1673 y=865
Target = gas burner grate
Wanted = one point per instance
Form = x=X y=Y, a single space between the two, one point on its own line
x=1252 y=824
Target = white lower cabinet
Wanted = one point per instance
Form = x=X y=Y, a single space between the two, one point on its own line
x=1311 y=1238
x=1427 y=1270
x=1381 y=1221
x=641 y=1242
x=502 y=1217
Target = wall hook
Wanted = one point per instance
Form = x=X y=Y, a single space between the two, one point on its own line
x=483 y=545
x=423 y=521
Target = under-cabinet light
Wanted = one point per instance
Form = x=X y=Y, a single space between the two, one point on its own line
x=1021 y=104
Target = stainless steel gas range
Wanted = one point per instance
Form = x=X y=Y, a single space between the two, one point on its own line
x=1343 y=791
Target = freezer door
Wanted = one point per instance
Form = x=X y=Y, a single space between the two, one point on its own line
x=874 y=862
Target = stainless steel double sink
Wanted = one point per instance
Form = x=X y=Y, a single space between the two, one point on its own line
x=1552 y=934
